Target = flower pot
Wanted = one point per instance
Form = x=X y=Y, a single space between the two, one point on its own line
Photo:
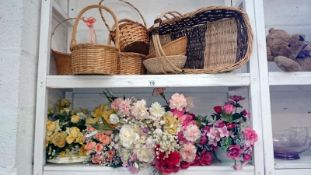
x=221 y=155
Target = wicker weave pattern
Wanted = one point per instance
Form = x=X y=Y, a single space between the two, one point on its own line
x=221 y=43
x=159 y=65
x=62 y=62
x=176 y=47
x=94 y=58
x=131 y=63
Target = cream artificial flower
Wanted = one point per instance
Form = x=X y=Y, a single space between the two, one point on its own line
x=114 y=119
x=156 y=111
x=128 y=136
x=51 y=126
x=145 y=155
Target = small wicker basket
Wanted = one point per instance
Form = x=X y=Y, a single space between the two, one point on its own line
x=131 y=63
x=94 y=58
x=170 y=58
x=133 y=35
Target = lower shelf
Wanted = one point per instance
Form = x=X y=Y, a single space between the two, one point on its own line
x=216 y=169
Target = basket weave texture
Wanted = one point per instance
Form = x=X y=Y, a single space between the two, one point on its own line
x=133 y=35
x=94 y=58
x=131 y=63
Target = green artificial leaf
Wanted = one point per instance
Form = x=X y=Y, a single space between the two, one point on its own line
x=225 y=143
x=236 y=116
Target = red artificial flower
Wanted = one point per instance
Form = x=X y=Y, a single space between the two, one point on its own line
x=230 y=125
x=236 y=98
x=168 y=165
x=184 y=165
x=218 y=109
x=206 y=158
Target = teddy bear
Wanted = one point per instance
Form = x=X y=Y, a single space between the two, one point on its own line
x=291 y=53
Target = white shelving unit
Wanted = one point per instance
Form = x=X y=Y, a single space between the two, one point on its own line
x=258 y=81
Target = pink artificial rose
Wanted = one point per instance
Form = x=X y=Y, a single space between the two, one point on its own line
x=234 y=152
x=98 y=159
x=250 y=136
x=116 y=103
x=219 y=124
x=223 y=132
x=99 y=148
x=228 y=108
x=245 y=113
x=192 y=133
x=178 y=113
x=124 y=107
x=188 y=152
x=203 y=140
x=178 y=101
x=247 y=157
x=90 y=146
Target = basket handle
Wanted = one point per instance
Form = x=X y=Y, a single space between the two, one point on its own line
x=129 y=4
x=56 y=27
x=156 y=39
x=75 y=26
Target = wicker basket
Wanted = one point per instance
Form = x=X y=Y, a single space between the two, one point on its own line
x=160 y=65
x=176 y=47
x=133 y=35
x=226 y=43
x=131 y=63
x=94 y=58
x=62 y=60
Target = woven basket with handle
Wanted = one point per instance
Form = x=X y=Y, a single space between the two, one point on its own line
x=169 y=58
x=62 y=59
x=133 y=35
x=220 y=38
x=94 y=58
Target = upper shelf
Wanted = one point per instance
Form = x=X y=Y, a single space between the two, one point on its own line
x=119 y=81
x=215 y=169
x=289 y=78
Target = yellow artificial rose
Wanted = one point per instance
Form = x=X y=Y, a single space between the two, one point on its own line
x=92 y=121
x=51 y=126
x=80 y=139
x=172 y=124
x=74 y=132
x=59 y=139
x=75 y=119
x=70 y=139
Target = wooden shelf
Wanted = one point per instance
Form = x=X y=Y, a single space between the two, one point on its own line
x=217 y=169
x=131 y=81
x=289 y=78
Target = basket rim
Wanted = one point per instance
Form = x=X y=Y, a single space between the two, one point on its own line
x=171 y=56
x=92 y=46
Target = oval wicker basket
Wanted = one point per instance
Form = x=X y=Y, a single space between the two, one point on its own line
x=62 y=59
x=228 y=40
x=133 y=35
x=94 y=58
x=159 y=65
x=176 y=47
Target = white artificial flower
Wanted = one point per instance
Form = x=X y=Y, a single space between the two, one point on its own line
x=145 y=155
x=114 y=119
x=139 y=110
x=156 y=111
x=149 y=142
x=128 y=136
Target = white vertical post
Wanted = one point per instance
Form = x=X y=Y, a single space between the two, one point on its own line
x=255 y=98
x=41 y=103
x=264 y=87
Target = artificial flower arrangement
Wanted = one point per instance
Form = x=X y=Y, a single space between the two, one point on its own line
x=100 y=137
x=64 y=134
x=226 y=131
x=159 y=137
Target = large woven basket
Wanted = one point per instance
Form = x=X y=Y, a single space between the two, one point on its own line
x=94 y=58
x=62 y=59
x=219 y=38
x=133 y=35
x=176 y=47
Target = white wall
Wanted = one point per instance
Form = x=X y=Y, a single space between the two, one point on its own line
x=18 y=65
